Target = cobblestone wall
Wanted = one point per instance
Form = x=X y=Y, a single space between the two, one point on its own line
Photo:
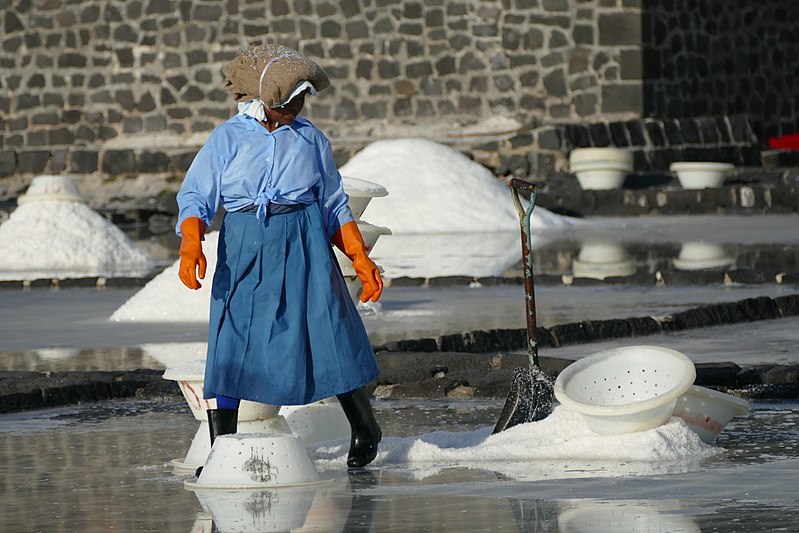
x=133 y=86
x=719 y=57
x=81 y=78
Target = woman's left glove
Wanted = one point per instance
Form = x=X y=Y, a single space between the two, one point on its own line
x=191 y=252
x=349 y=240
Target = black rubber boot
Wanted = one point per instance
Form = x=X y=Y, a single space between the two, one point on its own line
x=366 y=433
x=220 y=422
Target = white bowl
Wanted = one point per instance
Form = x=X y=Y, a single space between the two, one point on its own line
x=602 y=155
x=600 y=168
x=360 y=193
x=700 y=174
x=370 y=234
x=624 y=390
x=318 y=421
x=191 y=383
x=43 y=188
x=256 y=460
x=708 y=411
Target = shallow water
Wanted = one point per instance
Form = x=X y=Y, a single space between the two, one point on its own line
x=105 y=467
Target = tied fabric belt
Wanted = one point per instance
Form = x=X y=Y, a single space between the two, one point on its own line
x=273 y=208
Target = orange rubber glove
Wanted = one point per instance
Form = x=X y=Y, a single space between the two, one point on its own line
x=191 y=252
x=349 y=240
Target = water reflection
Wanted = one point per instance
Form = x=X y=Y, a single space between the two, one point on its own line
x=698 y=255
x=625 y=515
x=603 y=259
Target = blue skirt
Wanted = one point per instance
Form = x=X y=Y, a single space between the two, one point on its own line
x=283 y=329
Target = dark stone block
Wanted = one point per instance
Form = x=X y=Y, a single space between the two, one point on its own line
x=573 y=333
x=762 y=308
x=550 y=139
x=153 y=162
x=618 y=134
x=635 y=129
x=414 y=345
x=707 y=126
x=83 y=161
x=408 y=282
x=657 y=135
x=673 y=132
x=690 y=131
x=8 y=163
x=118 y=161
x=642 y=326
x=788 y=305
x=600 y=134
x=32 y=161
x=717 y=374
x=578 y=135
x=741 y=129
x=751 y=277
x=469 y=342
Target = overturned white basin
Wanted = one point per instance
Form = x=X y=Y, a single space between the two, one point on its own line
x=62 y=188
x=257 y=460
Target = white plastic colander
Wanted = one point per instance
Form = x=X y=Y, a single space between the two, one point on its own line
x=624 y=390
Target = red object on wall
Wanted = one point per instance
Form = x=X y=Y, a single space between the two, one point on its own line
x=786 y=142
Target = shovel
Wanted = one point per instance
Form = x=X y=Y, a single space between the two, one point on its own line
x=531 y=392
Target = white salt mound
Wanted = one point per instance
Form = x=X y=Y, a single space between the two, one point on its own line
x=57 y=239
x=561 y=445
x=435 y=189
x=166 y=299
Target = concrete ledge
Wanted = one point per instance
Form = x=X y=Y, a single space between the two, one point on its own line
x=499 y=340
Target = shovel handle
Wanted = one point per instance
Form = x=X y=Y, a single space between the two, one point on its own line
x=527 y=262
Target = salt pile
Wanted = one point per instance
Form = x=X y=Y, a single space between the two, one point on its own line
x=166 y=299
x=57 y=239
x=561 y=445
x=448 y=215
x=436 y=189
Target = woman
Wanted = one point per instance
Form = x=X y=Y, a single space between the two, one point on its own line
x=283 y=329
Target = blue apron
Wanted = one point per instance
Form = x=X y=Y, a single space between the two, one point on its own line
x=283 y=329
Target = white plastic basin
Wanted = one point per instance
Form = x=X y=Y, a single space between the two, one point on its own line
x=708 y=411
x=361 y=193
x=256 y=460
x=600 y=168
x=624 y=390
x=370 y=234
x=701 y=174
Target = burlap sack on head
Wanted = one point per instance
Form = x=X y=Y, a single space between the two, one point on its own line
x=286 y=68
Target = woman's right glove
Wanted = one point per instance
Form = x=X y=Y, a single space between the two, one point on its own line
x=191 y=252
x=349 y=240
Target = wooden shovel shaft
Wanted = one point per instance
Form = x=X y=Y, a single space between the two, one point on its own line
x=527 y=263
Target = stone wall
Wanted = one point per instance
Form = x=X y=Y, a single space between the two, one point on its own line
x=115 y=87
x=722 y=57
x=83 y=79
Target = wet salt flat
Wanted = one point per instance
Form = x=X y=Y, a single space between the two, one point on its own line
x=106 y=467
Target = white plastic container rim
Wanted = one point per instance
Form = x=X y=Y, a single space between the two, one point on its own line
x=579 y=155
x=738 y=406
x=681 y=362
x=360 y=187
x=584 y=166
x=709 y=166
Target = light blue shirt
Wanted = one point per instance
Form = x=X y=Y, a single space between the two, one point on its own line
x=244 y=164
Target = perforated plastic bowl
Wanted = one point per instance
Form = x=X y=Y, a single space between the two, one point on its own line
x=624 y=390
x=360 y=193
x=257 y=460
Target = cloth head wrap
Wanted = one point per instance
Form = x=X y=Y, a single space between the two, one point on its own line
x=272 y=73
